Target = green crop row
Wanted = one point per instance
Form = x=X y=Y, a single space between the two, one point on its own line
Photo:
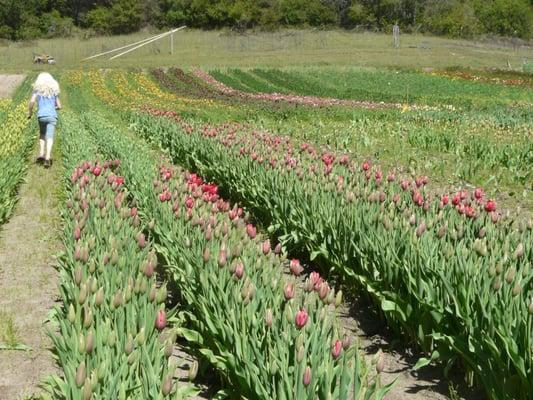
x=111 y=341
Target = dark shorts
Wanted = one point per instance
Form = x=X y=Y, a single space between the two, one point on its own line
x=47 y=127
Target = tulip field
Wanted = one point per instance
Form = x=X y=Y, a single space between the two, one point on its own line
x=237 y=210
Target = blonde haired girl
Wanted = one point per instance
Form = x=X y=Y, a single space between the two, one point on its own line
x=46 y=95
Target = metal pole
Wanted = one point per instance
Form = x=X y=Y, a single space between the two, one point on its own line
x=150 y=41
x=123 y=47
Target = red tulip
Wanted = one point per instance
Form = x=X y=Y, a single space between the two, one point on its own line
x=97 y=171
x=133 y=212
x=161 y=320
x=490 y=206
x=366 y=166
x=478 y=193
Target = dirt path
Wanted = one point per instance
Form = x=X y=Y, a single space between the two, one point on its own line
x=28 y=283
x=8 y=84
x=360 y=319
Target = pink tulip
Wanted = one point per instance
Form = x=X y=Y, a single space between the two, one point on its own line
x=307 y=376
x=301 y=318
x=251 y=231
x=336 y=349
x=478 y=193
x=288 y=291
x=295 y=267
x=161 y=320
x=266 y=247
x=239 y=270
x=77 y=233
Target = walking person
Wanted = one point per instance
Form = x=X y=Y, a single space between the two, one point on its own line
x=46 y=96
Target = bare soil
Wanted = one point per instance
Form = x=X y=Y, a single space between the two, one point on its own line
x=28 y=284
x=8 y=84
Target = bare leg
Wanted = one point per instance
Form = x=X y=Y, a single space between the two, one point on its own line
x=41 y=148
x=49 y=144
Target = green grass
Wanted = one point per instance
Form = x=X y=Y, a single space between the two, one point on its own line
x=219 y=49
x=9 y=336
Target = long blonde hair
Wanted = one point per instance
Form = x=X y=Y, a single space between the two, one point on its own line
x=45 y=85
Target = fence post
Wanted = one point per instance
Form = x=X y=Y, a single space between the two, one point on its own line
x=396 y=36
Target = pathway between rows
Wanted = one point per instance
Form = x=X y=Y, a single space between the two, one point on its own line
x=29 y=242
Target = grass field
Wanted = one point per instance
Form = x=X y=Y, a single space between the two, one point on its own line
x=225 y=49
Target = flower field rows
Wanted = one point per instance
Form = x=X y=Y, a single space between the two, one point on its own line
x=449 y=271
x=15 y=145
x=202 y=192
x=501 y=158
x=266 y=335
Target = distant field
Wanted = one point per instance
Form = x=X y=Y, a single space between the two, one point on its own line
x=217 y=49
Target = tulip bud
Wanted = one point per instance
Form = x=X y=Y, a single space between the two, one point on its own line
x=80 y=375
x=71 y=314
x=516 y=289
x=277 y=249
x=346 y=342
x=88 y=318
x=268 y=317
x=82 y=295
x=265 y=247
x=78 y=274
x=336 y=349
x=166 y=384
x=81 y=343
x=169 y=348
x=141 y=337
x=519 y=252
x=300 y=354
x=193 y=371
x=338 y=298
x=161 y=320
x=112 y=339
x=206 y=254
x=222 y=258
x=323 y=290
x=153 y=292
x=497 y=284
x=288 y=291
x=301 y=318
x=307 y=376
x=295 y=267
x=239 y=270
x=128 y=347
x=89 y=342
x=511 y=273
x=530 y=308
x=99 y=298
x=162 y=294
x=87 y=390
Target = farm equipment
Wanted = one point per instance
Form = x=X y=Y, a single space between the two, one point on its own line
x=43 y=59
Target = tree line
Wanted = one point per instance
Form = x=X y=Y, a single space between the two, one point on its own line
x=28 y=19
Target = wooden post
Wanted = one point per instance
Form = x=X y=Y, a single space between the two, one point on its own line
x=396 y=36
